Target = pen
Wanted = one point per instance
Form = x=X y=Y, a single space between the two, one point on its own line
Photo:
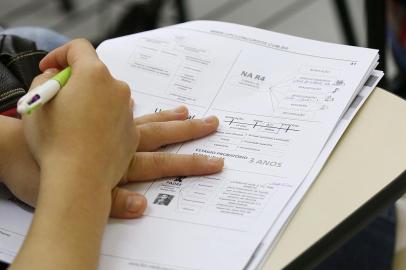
x=43 y=93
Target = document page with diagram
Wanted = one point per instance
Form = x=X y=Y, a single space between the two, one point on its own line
x=278 y=99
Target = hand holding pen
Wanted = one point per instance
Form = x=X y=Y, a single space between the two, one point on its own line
x=43 y=93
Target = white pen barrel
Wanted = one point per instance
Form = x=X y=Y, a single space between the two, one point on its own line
x=38 y=96
x=47 y=90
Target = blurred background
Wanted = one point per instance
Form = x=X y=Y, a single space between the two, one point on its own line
x=93 y=19
x=336 y=21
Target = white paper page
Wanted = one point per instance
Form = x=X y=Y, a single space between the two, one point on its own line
x=270 y=240
x=278 y=98
x=20 y=218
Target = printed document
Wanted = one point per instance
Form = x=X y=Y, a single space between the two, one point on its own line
x=278 y=98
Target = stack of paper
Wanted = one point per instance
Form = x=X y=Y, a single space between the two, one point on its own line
x=283 y=103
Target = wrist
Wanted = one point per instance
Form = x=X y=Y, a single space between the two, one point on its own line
x=83 y=173
x=74 y=184
x=68 y=220
x=66 y=198
x=10 y=129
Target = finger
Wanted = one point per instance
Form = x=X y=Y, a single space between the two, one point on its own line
x=78 y=50
x=127 y=204
x=148 y=166
x=40 y=79
x=179 y=113
x=132 y=104
x=156 y=134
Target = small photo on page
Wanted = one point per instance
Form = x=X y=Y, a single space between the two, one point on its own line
x=163 y=199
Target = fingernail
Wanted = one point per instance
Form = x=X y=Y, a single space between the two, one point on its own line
x=51 y=71
x=180 y=109
x=133 y=203
x=215 y=160
x=210 y=119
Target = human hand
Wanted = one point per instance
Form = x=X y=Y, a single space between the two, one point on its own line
x=156 y=130
x=22 y=173
x=84 y=140
x=86 y=130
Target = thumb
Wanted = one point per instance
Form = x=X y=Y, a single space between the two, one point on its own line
x=48 y=74
x=127 y=204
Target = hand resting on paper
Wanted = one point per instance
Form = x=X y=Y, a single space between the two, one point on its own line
x=21 y=173
x=70 y=156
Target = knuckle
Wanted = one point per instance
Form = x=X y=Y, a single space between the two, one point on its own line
x=192 y=124
x=81 y=41
x=124 y=88
x=79 y=44
x=157 y=128
x=164 y=115
x=36 y=81
x=159 y=116
x=160 y=160
x=100 y=69
x=98 y=72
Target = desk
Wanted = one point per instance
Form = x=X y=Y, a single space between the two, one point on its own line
x=368 y=157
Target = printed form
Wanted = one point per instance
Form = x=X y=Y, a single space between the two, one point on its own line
x=278 y=98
